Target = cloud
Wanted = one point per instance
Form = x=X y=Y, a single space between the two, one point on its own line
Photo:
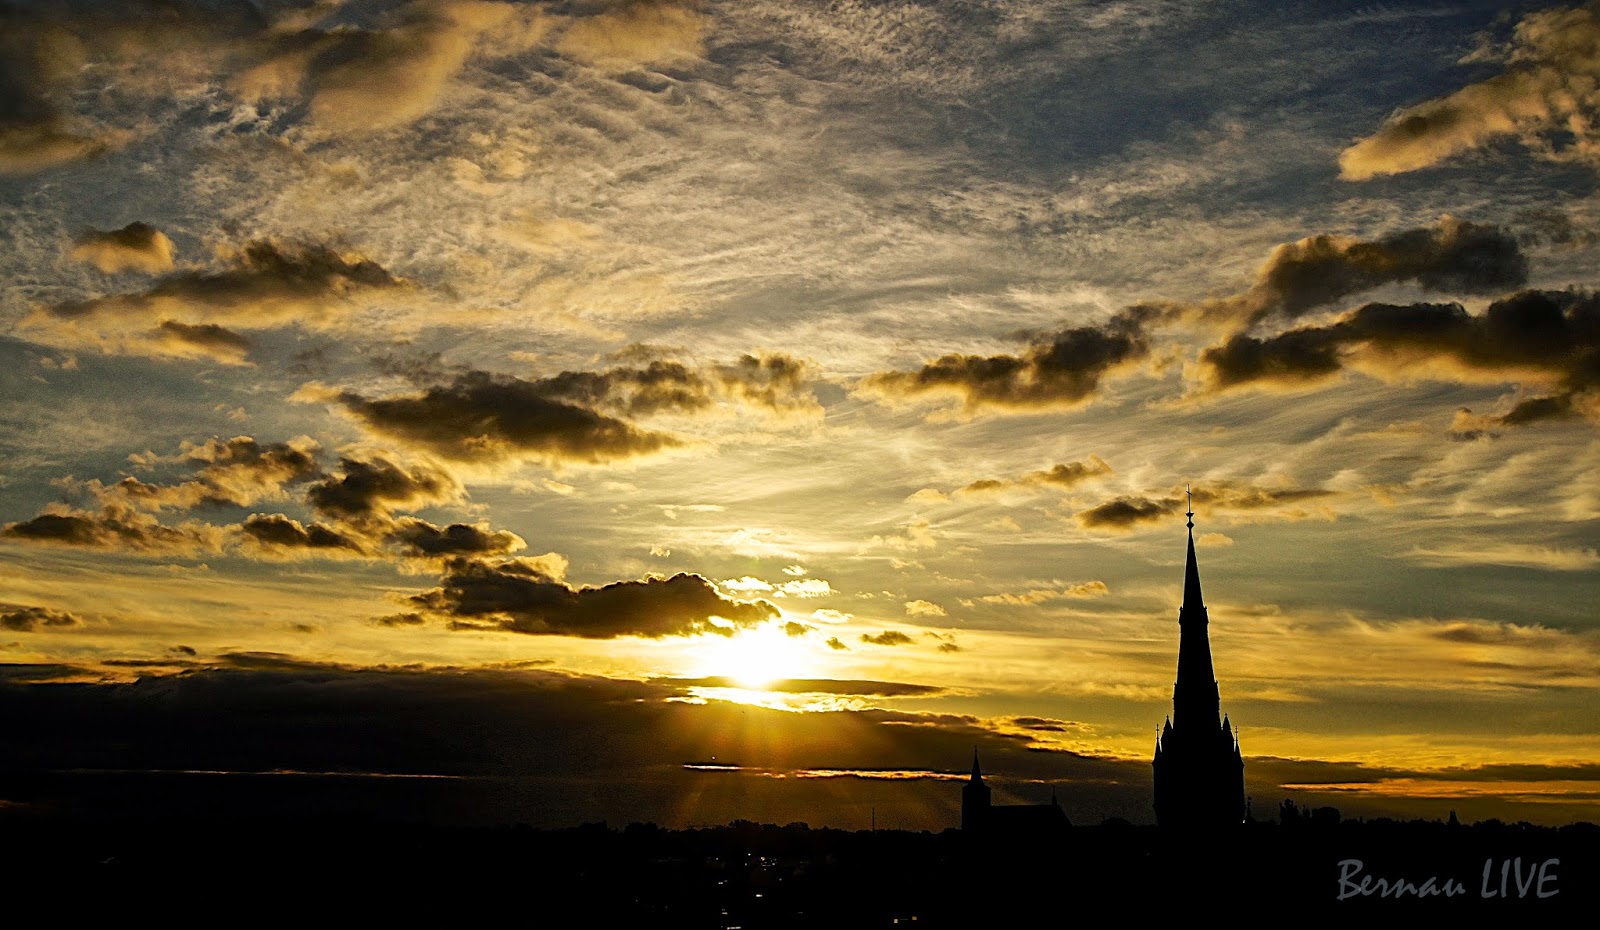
x=835 y=644
x=1547 y=98
x=364 y=78
x=1453 y=257
x=1549 y=338
x=567 y=735
x=135 y=247
x=1041 y=595
x=189 y=312
x=198 y=340
x=116 y=527
x=421 y=539
x=275 y=535
x=575 y=416
x=772 y=383
x=1516 y=555
x=34 y=132
x=358 y=501
x=371 y=484
x=888 y=638
x=1062 y=475
x=34 y=139
x=1126 y=512
x=238 y=472
x=525 y=595
x=31 y=619
x=1059 y=371
x=804 y=588
x=482 y=418
x=924 y=609
x=636 y=33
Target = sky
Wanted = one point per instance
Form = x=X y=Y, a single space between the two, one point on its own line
x=674 y=411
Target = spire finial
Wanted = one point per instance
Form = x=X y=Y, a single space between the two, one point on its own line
x=1190 y=493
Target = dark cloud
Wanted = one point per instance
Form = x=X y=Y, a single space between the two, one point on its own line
x=372 y=484
x=356 y=503
x=1544 y=337
x=116 y=527
x=584 y=747
x=29 y=619
x=1296 y=357
x=421 y=539
x=835 y=643
x=1042 y=723
x=483 y=418
x=887 y=638
x=207 y=339
x=1539 y=409
x=571 y=739
x=407 y=618
x=1453 y=257
x=1062 y=370
x=194 y=312
x=135 y=247
x=774 y=383
x=797 y=629
x=275 y=535
x=576 y=416
x=527 y=595
x=662 y=385
x=1129 y=511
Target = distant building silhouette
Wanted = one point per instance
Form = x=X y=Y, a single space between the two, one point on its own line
x=1006 y=822
x=1199 y=771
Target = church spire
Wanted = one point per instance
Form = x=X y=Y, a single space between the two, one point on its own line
x=1191 y=571
x=1195 y=696
x=1199 y=771
x=977 y=774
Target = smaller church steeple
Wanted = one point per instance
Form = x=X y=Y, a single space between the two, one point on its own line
x=974 y=799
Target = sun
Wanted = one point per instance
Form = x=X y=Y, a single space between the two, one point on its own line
x=756 y=657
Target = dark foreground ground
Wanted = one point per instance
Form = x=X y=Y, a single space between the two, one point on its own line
x=751 y=875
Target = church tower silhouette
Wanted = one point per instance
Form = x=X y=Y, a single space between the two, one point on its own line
x=1199 y=771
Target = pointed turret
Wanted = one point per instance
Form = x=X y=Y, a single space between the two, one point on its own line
x=977 y=773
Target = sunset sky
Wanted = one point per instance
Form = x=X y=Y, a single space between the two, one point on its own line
x=688 y=411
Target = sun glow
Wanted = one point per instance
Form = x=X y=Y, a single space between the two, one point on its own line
x=756 y=657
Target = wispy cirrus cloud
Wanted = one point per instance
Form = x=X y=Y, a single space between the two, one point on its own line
x=1515 y=555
